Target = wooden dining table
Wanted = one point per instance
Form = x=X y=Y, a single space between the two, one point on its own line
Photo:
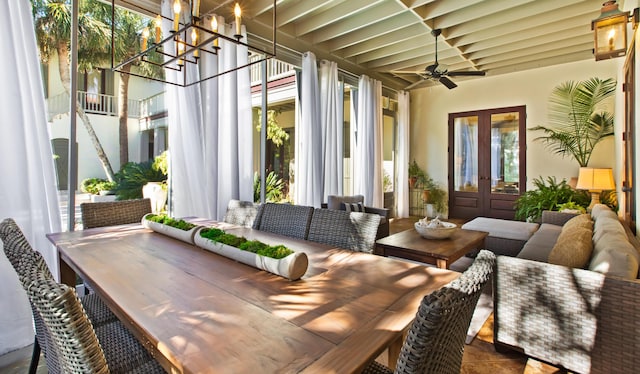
x=199 y=312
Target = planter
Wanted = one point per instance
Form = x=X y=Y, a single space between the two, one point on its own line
x=291 y=267
x=157 y=193
x=183 y=235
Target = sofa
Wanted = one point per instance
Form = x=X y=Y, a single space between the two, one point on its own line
x=571 y=297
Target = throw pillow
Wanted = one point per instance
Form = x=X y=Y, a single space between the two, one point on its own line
x=573 y=248
x=581 y=220
x=352 y=207
x=334 y=201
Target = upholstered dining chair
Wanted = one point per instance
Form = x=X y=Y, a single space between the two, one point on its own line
x=111 y=213
x=241 y=212
x=17 y=249
x=435 y=342
x=349 y=230
x=284 y=219
x=78 y=347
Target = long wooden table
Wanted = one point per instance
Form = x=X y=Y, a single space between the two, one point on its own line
x=199 y=312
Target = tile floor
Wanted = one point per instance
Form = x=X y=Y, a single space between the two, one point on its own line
x=479 y=356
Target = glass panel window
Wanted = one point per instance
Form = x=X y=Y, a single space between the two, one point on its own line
x=466 y=154
x=505 y=149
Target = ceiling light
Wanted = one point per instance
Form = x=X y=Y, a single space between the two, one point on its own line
x=189 y=39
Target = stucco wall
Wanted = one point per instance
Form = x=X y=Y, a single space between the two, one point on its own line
x=431 y=106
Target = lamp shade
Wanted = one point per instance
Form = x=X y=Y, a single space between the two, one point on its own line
x=610 y=32
x=595 y=179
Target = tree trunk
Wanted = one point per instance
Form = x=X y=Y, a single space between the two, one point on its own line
x=64 y=69
x=123 y=114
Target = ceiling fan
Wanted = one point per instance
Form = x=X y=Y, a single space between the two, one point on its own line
x=437 y=72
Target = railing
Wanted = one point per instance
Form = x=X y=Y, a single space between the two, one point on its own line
x=275 y=70
x=91 y=103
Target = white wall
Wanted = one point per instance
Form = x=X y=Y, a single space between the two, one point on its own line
x=430 y=107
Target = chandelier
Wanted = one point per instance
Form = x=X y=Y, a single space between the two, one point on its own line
x=169 y=44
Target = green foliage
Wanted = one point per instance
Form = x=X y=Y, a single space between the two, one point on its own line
x=571 y=205
x=95 y=185
x=437 y=195
x=166 y=220
x=253 y=246
x=547 y=196
x=414 y=169
x=575 y=127
x=275 y=133
x=132 y=176
x=274 y=186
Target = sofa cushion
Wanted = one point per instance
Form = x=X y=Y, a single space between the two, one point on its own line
x=500 y=228
x=541 y=243
x=581 y=220
x=334 y=201
x=600 y=209
x=606 y=224
x=616 y=262
x=352 y=207
x=573 y=248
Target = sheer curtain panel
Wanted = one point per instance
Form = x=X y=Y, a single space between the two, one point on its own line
x=210 y=149
x=402 y=154
x=367 y=172
x=309 y=180
x=331 y=115
x=28 y=193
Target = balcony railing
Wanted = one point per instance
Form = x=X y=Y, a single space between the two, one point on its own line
x=153 y=105
x=91 y=103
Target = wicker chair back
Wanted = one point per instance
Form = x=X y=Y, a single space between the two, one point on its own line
x=284 y=219
x=241 y=213
x=113 y=213
x=349 y=230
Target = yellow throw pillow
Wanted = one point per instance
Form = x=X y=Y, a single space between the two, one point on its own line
x=581 y=220
x=573 y=248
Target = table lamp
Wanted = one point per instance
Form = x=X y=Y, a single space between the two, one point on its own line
x=595 y=181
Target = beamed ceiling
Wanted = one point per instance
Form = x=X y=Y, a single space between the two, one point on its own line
x=380 y=37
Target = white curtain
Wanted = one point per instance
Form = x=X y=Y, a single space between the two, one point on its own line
x=331 y=118
x=367 y=171
x=308 y=166
x=402 y=156
x=210 y=149
x=28 y=193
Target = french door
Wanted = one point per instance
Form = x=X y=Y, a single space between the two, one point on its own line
x=487 y=162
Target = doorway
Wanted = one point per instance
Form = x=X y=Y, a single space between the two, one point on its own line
x=486 y=162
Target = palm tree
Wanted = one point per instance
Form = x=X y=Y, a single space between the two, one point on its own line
x=575 y=126
x=53 y=30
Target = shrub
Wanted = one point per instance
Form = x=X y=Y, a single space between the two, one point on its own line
x=95 y=185
x=547 y=196
x=274 y=186
x=132 y=176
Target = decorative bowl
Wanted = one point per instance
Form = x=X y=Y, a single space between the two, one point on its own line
x=442 y=230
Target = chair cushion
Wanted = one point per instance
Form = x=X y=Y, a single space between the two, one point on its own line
x=334 y=201
x=573 y=248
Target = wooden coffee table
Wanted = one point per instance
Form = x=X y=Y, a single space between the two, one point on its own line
x=411 y=246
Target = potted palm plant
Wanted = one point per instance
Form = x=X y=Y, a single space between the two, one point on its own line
x=576 y=122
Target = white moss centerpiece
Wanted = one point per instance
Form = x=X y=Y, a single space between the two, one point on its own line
x=278 y=259
x=175 y=228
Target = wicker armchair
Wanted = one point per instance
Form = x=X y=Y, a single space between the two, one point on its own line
x=435 y=342
x=241 y=213
x=113 y=213
x=349 y=230
x=284 y=219
x=80 y=348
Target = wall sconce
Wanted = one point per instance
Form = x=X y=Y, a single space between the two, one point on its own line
x=595 y=181
x=610 y=32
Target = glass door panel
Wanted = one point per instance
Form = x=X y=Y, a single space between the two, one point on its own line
x=465 y=174
x=505 y=150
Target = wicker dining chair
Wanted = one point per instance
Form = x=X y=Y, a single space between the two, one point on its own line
x=355 y=231
x=23 y=259
x=78 y=346
x=435 y=341
x=111 y=213
x=241 y=213
x=284 y=219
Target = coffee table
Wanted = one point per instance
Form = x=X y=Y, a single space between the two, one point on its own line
x=411 y=246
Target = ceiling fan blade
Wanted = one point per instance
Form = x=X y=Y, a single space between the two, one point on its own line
x=407 y=71
x=415 y=85
x=466 y=73
x=448 y=82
